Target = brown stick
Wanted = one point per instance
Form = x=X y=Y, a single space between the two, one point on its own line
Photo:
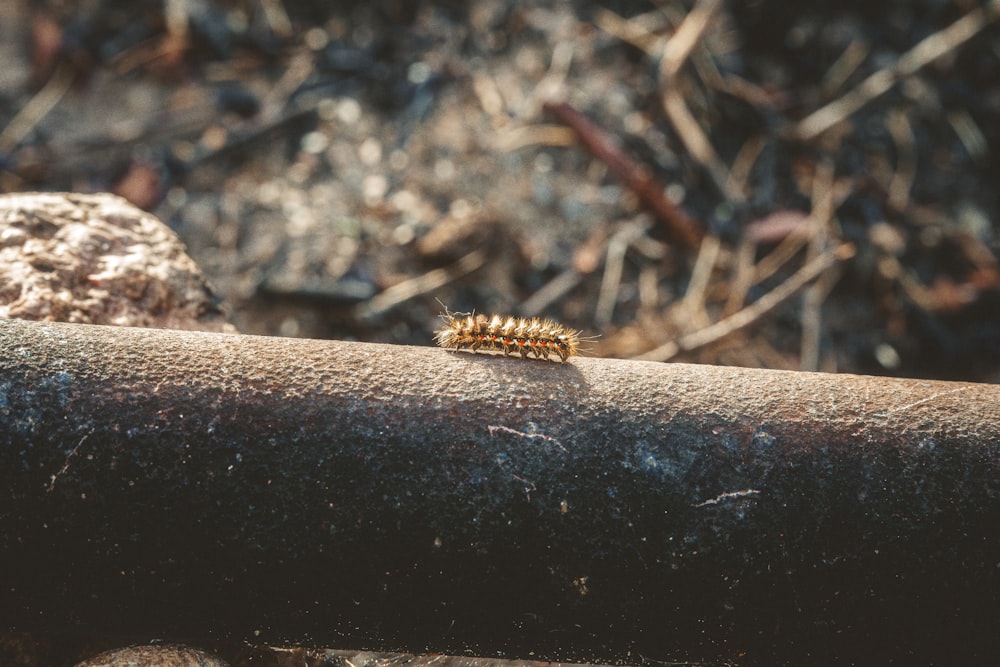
x=386 y=496
x=637 y=178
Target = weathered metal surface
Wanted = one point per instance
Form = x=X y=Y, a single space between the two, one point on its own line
x=187 y=485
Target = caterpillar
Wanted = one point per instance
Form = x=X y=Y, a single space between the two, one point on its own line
x=507 y=334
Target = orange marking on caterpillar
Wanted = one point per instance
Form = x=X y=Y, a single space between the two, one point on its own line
x=509 y=335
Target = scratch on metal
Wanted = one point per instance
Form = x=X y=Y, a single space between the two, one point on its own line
x=65 y=466
x=531 y=435
x=727 y=496
x=927 y=400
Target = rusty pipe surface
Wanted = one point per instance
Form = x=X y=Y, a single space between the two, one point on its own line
x=190 y=485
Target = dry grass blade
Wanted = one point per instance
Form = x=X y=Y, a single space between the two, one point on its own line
x=909 y=63
x=675 y=53
x=693 y=304
x=696 y=141
x=754 y=311
x=35 y=110
x=391 y=297
x=906 y=164
x=277 y=18
x=611 y=282
x=679 y=47
x=814 y=295
x=551 y=292
x=634 y=31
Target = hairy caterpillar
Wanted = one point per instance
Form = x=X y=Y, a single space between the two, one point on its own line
x=503 y=333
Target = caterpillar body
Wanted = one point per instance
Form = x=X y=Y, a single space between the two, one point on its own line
x=507 y=334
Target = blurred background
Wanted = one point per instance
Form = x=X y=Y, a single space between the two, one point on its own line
x=754 y=183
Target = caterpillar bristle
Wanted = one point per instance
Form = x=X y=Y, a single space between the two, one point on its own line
x=524 y=336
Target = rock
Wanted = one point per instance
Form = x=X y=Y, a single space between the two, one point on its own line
x=154 y=656
x=96 y=259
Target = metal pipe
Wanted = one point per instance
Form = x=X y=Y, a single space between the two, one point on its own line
x=194 y=485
